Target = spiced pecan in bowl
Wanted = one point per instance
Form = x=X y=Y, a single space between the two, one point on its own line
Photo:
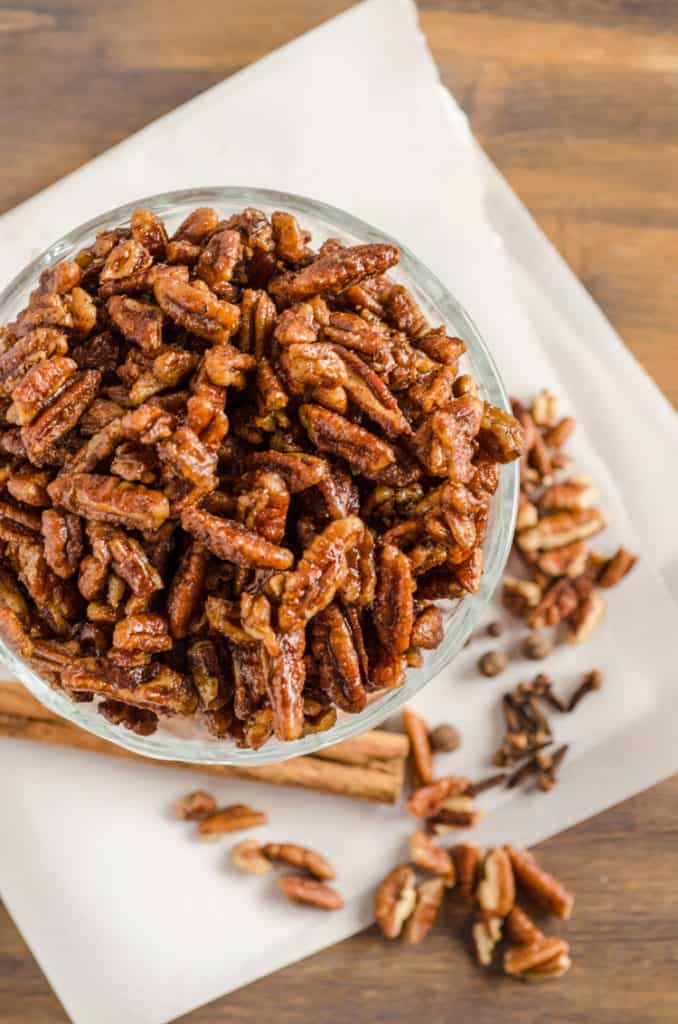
x=258 y=476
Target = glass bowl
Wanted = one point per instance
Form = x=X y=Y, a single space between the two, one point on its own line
x=180 y=740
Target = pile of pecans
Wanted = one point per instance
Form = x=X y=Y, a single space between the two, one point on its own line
x=487 y=881
x=557 y=515
x=238 y=472
x=307 y=884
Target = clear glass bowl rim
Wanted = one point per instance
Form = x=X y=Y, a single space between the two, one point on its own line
x=497 y=546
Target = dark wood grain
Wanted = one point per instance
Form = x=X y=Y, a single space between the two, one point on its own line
x=575 y=100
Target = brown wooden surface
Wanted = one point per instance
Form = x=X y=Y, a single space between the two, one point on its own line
x=576 y=102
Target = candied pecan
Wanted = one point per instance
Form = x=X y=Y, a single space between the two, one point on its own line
x=393 y=612
x=369 y=393
x=219 y=258
x=55 y=603
x=125 y=268
x=207 y=673
x=332 y=273
x=29 y=486
x=298 y=470
x=290 y=239
x=300 y=857
x=319 y=573
x=145 y=632
x=263 y=505
x=186 y=589
x=250 y=677
x=232 y=542
x=41 y=436
x=149 y=231
x=301 y=889
x=139 y=720
x=198 y=311
x=428 y=628
x=62 y=537
x=153 y=685
x=257 y=729
x=33 y=347
x=197 y=226
x=40 y=384
x=257 y=320
x=339 y=672
x=364 y=451
x=106 y=499
x=315 y=370
x=139 y=322
x=286 y=678
x=360 y=585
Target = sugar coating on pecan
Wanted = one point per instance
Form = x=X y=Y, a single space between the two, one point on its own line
x=238 y=469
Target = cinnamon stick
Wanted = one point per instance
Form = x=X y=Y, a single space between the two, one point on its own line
x=363 y=775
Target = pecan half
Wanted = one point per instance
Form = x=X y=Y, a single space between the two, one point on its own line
x=301 y=889
x=248 y=856
x=427 y=854
x=198 y=311
x=393 y=612
x=429 y=898
x=542 y=888
x=554 y=531
x=319 y=573
x=106 y=499
x=496 y=889
x=333 y=273
x=339 y=671
x=365 y=452
x=230 y=541
x=485 y=934
x=521 y=929
x=186 y=590
x=196 y=806
x=519 y=960
x=300 y=857
x=395 y=901
x=428 y=800
x=234 y=818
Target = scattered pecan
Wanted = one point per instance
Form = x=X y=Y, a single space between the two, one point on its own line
x=614 y=570
x=196 y=806
x=230 y=819
x=426 y=853
x=542 y=888
x=496 y=889
x=467 y=859
x=521 y=960
x=301 y=889
x=485 y=934
x=429 y=898
x=301 y=858
x=428 y=800
x=248 y=856
x=395 y=901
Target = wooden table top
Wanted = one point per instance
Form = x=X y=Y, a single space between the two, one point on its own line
x=575 y=101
